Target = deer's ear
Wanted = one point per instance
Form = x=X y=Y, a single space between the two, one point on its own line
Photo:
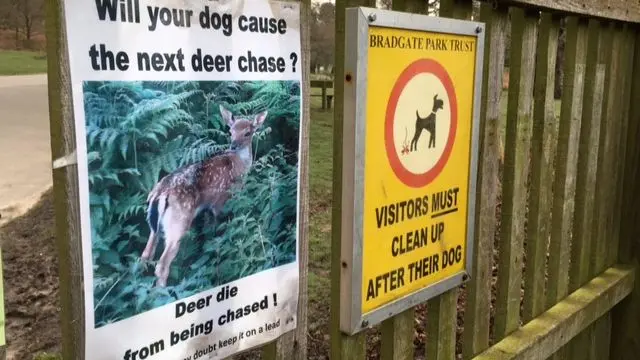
x=435 y=97
x=260 y=118
x=227 y=116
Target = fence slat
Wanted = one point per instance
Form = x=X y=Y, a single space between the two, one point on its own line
x=625 y=88
x=611 y=114
x=343 y=347
x=65 y=185
x=631 y=170
x=543 y=144
x=442 y=310
x=624 y=344
x=477 y=314
x=516 y=170
x=617 y=101
x=441 y=326
x=564 y=188
x=293 y=345
x=587 y=163
x=397 y=337
x=580 y=348
x=602 y=176
x=601 y=329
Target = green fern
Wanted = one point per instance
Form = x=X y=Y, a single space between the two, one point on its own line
x=137 y=132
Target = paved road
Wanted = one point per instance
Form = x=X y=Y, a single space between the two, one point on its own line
x=25 y=153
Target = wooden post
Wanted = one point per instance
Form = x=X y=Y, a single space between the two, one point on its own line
x=324 y=95
x=342 y=346
x=293 y=346
x=516 y=170
x=65 y=184
x=477 y=318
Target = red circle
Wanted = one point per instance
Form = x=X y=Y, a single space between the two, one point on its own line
x=418 y=67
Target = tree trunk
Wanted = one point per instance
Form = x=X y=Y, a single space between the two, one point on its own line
x=17 y=35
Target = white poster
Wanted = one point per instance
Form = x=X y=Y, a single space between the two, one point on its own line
x=187 y=118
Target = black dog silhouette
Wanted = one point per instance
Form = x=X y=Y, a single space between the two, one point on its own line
x=428 y=123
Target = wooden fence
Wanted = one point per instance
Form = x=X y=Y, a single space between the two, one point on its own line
x=325 y=86
x=562 y=207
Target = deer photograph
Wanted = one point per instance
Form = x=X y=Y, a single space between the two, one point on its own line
x=178 y=197
x=192 y=185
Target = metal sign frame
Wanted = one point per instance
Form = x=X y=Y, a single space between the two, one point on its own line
x=358 y=21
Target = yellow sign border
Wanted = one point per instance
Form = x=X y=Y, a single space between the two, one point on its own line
x=358 y=20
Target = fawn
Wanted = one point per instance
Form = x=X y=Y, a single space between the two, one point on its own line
x=428 y=123
x=177 y=198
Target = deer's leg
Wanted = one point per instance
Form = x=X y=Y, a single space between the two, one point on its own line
x=175 y=228
x=150 y=249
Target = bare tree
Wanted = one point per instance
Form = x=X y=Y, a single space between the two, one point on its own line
x=24 y=17
x=322 y=35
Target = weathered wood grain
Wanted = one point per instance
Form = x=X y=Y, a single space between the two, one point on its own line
x=442 y=310
x=543 y=146
x=583 y=347
x=516 y=171
x=628 y=207
x=611 y=118
x=65 y=184
x=564 y=186
x=544 y=335
x=441 y=326
x=410 y=6
x=587 y=162
x=293 y=345
x=477 y=314
x=343 y=347
x=606 y=60
x=457 y=9
x=621 y=10
x=397 y=337
x=597 y=262
x=625 y=343
x=625 y=103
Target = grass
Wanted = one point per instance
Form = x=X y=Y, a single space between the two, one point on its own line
x=320 y=193
x=47 y=356
x=22 y=62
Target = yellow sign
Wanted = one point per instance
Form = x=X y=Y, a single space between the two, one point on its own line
x=409 y=161
x=419 y=106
